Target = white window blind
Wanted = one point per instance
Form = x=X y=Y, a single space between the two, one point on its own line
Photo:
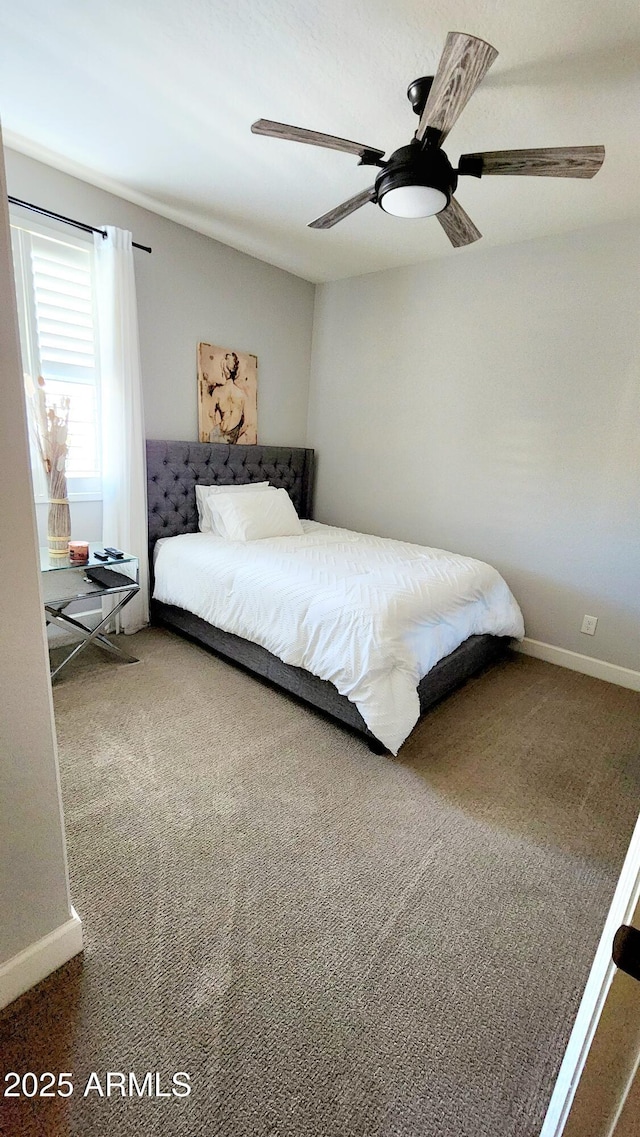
x=54 y=278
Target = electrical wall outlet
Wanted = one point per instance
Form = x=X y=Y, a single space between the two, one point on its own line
x=589 y=625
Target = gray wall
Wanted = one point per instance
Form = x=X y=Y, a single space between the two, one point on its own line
x=34 y=898
x=489 y=404
x=190 y=289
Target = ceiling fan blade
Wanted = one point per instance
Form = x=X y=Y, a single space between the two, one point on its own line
x=458 y=225
x=328 y=220
x=313 y=138
x=463 y=65
x=554 y=162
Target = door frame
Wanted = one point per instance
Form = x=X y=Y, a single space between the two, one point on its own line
x=625 y=901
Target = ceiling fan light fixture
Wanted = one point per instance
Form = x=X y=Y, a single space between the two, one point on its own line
x=413 y=201
x=416 y=182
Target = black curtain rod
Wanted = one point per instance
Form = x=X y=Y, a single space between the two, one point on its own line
x=68 y=220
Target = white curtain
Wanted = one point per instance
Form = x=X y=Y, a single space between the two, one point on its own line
x=124 y=494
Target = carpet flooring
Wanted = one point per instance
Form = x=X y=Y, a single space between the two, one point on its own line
x=330 y=943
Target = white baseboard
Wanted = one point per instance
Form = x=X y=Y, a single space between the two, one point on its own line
x=597 y=668
x=37 y=961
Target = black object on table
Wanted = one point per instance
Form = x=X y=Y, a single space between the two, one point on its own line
x=107 y=578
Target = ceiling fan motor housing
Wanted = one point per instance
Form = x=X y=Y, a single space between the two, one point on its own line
x=418 y=93
x=417 y=165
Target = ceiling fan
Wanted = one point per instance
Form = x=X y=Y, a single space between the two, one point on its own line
x=418 y=180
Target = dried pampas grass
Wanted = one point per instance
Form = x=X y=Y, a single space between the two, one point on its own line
x=51 y=428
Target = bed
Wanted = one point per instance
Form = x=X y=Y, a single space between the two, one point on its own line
x=174 y=469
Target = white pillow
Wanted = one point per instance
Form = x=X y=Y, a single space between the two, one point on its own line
x=252 y=517
x=205 y=522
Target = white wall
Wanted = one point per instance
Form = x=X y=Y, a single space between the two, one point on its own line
x=34 y=896
x=489 y=404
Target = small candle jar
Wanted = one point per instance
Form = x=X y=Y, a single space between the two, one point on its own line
x=78 y=552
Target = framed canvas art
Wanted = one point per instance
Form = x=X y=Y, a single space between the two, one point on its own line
x=227 y=395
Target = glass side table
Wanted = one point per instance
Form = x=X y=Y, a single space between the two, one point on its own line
x=64 y=583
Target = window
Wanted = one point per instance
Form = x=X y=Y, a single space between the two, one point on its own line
x=54 y=286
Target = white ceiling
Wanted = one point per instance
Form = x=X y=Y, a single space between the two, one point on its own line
x=154 y=99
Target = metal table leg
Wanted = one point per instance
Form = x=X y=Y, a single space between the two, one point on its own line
x=56 y=615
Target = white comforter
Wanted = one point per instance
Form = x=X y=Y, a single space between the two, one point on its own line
x=370 y=614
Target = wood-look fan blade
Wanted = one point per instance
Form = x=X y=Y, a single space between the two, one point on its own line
x=458 y=225
x=313 y=138
x=553 y=162
x=328 y=220
x=463 y=64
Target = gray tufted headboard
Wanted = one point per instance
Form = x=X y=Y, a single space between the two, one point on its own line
x=174 y=468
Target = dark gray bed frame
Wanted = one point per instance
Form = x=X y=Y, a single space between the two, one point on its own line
x=173 y=469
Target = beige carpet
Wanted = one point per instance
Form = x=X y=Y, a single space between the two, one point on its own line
x=331 y=943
